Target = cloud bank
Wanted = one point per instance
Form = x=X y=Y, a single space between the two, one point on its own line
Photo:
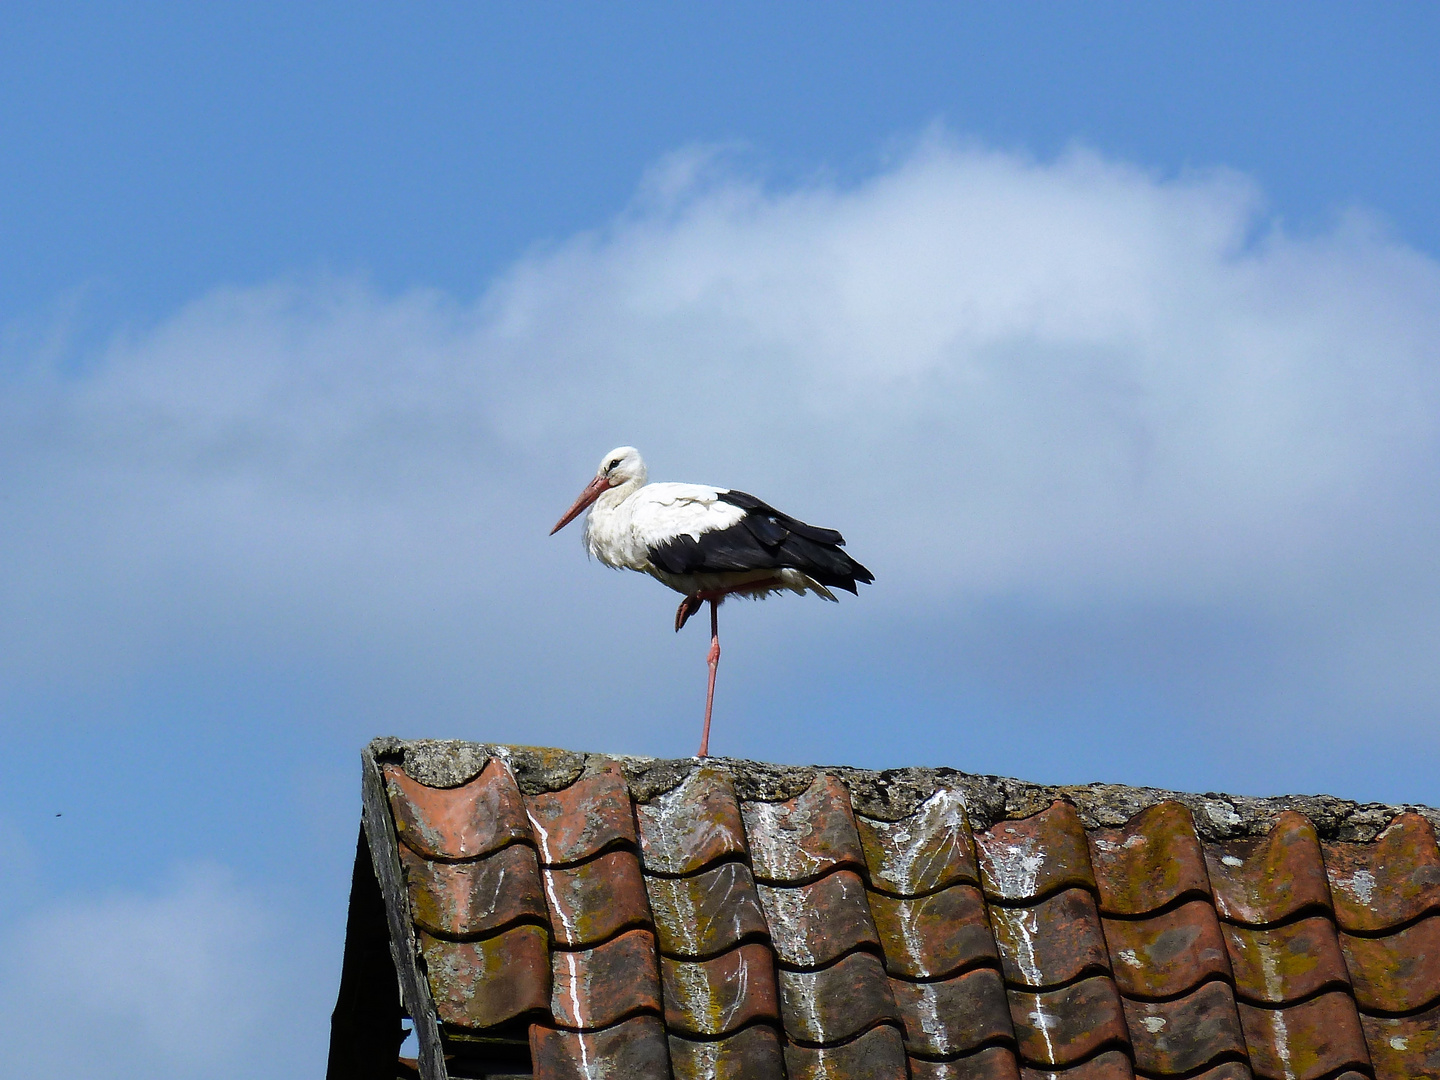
x=191 y=980
x=1039 y=397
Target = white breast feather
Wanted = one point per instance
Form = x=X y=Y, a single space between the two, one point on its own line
x=623 y=534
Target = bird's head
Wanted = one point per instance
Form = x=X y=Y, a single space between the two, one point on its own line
x=621 y=467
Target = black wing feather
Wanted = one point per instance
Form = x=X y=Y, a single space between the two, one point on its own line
x=799 y=528
x=764 y=539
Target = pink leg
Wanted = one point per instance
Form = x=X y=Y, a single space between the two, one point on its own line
x=689 y=606
x=714 y=662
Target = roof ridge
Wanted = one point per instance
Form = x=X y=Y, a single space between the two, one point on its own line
x=895 y=794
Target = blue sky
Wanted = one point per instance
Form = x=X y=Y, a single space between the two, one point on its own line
x=1108 y=336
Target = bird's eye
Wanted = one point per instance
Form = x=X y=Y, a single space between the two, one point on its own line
x=611 y=467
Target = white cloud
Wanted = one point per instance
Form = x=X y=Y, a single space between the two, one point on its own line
x=194 y=980
x=1072 y=384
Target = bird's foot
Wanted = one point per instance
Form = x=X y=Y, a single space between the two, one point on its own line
x=689 y=606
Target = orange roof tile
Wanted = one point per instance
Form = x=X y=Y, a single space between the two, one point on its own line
x=574 y=916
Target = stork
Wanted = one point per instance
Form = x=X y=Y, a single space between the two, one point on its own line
x=706 y=543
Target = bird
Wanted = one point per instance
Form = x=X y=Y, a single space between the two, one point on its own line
x=706 y=543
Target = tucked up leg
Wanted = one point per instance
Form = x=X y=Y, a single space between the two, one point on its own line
x=689 y=606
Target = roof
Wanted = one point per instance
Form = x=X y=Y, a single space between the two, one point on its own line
x=570 y=915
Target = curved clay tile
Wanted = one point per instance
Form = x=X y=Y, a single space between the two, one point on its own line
x=461 y=822
x=1404 y=1047
x=468 y=899
x=1313 y=1039
x=635 y=1049
x=1284 y=963
x=927 y=851
x=838 y=1002
x=721 y=995
x=700 y=916
x=1168 y=954
x=803 y=837
x=1388 y=882
x=1051 y=942
x=578 y=821
x=1265 y=880
x=591 y=901
x=811 y=925
x=989 y=1063
x=1029 y=859
x=931 y=936
x=1398 y=973
x=1062 y=1027
x=753 y=1053
x=951 y=1017
x=595 y=988
x=878 y=1054
x=1183 y=1035
x=692 y=825
x=1148 y=863
x=478 y=984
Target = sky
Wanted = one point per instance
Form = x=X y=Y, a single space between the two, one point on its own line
x=1109 y=337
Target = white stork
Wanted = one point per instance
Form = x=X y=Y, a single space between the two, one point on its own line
x=706 y=543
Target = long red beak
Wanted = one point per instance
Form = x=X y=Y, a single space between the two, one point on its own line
x=593 y=491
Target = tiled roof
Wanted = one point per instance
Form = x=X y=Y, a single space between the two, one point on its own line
x=584 y=916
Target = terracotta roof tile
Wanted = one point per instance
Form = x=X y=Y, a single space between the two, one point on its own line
x=692 y=826
x=582 y=819
x=1390 y=881
x=718 y=919
x=590 y=901
x=478 y=984
x=1270 y=878
x=837 y=1002
x=1405 y=1047
x=878 y=1054
x=814 y=924
x=1052 y=942
x=991 y=1063
x=721 y=995
x=1397 y=973
x=462 y=822
x=928 y=850
x=707 y=913
x=1167 y=954
x=1110 y=1065
x=1149 y=862
x=635 y=1049
x=803 y=837
x=1035 y=856
x=1306 y=1041
x=1287 y=962
x=1237 y=1070
x=594 y=988
x=752 y=1054
x=929 y=936
x=467 y=899
x=1186 y=1033
x=1061 y=1027
x=953 y=1016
